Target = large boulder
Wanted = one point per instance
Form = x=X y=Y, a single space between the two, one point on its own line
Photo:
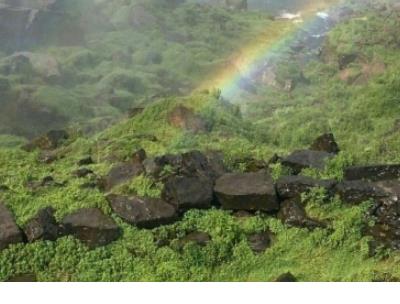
x=303 y=159
x=294 y=186
x=355 y=192
x=143 y=212
x=184 y=118
x=373 y=172
x=92 y=227
x=188 y=192
x=120 y=174
x=247 y=191
x=327 y=143
x=293 y=214
x=9 y=231
x=43 y=227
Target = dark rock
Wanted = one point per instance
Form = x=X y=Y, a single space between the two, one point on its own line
x=139 y=156
x=373 y=173
x=23 y=278
x=92 y=227
x=247 y=191
x=50 y=141
x=43 y=227
x=188 y=192
x=294 y=186
x=259 y=242
x=274 y=159
x=327 y=143
x=355 y=192
x=242 y=214
x=303 y=159
x=143 y=212
x=293 y=214
x=89 y=185
x=85 y=161
x=216 y=164
x=82 y=172
x=152 y=167
x=184 y=118
x=120 y=174
x=197 y=237
x=9 y=231
x=286 y=278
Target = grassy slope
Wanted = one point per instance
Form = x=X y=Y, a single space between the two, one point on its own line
x=340 y=253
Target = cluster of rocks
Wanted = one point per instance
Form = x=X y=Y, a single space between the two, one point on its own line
x=196 y=180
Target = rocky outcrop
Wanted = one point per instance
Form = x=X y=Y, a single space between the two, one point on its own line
x=50 y=141
x=184 y=118
x=188 y=192
x=121 y=173
x=326 y=143
x=247 y=191
x=143 y=212
x=303 y=159
x=292 y=213
x=9 y=231
x=373 y=172
x=43 y=227
x=294 y=186
x=92 y=227
x=355 y=192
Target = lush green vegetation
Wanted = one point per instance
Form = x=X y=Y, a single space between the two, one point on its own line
x=361 y=112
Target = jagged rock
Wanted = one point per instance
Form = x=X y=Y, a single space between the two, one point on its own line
x=259 y=242
x=197 y=237
x=294 y=186
x=327 y=143
x=247 y=191
x=188 y=192
x=286 y=278
x=355 y=192
x=143 y=212
x=302 y=159
x=184 y=118
x=9 y=231
x=85 y=161
x=121 y=173
x=92 y=227
x=50 y=141
x=43 y=227
x=373 y=173
x=82 y=172
x=292 y=213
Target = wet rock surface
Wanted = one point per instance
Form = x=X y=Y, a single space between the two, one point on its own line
x=293 y=214
x=247 y=191
x=92 y=227
x=43 y=227
x=143 y=212
x=373 y=173
x=188 y=192
x=303 y=159
x=9 y=231
x=294 y=186
x=259 y=242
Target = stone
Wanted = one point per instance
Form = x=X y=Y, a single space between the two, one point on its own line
x=198 y=237
x=303 y=159
x=259 y=242
x=247 y=191
x=43 y=227
x=121 y=173
x=188 y=192
x=326 y=143
x=85 y=161
x=286 y=278
x=50 y=141
x=183 y=118
x=82 y=172
x=143 y=212
x=9 y=231
x=294 y=186
x=355 y=192
x=139 y=156
x=92 y=227
x=373 y=172
x=293 y=214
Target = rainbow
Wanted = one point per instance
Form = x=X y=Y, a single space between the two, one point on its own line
x=231 y=76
